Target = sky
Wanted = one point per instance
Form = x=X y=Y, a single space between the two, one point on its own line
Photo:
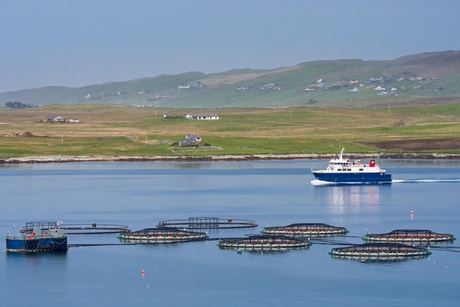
x=75 y=43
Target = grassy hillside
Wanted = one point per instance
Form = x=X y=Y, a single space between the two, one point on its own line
x=115 y=130
x=326 y=83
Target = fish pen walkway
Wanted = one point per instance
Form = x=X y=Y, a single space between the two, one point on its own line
x=264 y=243
x=207 y=223
x=422 y=236
x=162 y=235
x=82 y=229
x=380 y=252
x=306 y=230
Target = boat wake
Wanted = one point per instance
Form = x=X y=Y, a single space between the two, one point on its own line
x=425 y=180
x=317 y=182
x=320 y=182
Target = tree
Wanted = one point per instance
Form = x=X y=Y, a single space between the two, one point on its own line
x=17 y=105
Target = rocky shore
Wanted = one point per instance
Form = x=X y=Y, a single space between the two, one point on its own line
x=65 y=159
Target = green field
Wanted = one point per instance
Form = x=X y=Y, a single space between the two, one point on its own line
x=117 y=130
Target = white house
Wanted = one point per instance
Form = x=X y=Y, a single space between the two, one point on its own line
x=54 y=118
x=354 y=90
x=211 y=116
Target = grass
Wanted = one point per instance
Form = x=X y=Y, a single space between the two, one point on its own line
x=114 y=130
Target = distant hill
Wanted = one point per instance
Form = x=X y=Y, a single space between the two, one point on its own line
x=350 y=82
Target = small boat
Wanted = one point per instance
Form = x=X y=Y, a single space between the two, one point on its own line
x=379 y=252
x=264 y=243
x=305 y=230
x=38 y=237
x=341 y=170
x=421 y=236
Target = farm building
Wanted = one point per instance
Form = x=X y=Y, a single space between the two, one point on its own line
x=54 y=118
x=210 y=116
x=190 y=140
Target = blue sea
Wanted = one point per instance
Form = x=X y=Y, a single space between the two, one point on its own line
x=424 y=195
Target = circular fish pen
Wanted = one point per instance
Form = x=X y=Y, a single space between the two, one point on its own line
x=161 y=236
x=263 y=243
x=78 y=229
x=413 y=236
x=207 y=223
x=303 y=230
x=380 y=252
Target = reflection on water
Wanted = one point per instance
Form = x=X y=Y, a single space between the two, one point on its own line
x=341 y=199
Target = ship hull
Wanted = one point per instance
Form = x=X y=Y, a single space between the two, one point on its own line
x=20 y=245
x=345 y=177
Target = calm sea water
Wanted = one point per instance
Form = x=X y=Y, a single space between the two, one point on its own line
x=200 y=274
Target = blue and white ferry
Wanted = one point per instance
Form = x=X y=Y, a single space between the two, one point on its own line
x=341 y=170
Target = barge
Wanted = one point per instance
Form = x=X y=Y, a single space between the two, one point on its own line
x=161 y=235
x=412 y=236
x=39 y=237
x=380 y=252
x=305 y=230
x=264 y=243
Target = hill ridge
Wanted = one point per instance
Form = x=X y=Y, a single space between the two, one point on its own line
x=342 y=82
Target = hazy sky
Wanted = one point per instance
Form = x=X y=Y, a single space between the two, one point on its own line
x=83 y=42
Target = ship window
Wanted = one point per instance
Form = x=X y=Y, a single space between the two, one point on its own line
x=361 y=169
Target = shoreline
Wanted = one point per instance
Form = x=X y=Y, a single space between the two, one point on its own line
x=251 y=157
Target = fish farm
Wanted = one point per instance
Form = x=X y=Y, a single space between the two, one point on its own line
x=207 y=223
x=264 y=243
x=84 y=229
x=398 y=244
x=305 y=230
x=380 y=252
x=161 y=235
x=409 y=236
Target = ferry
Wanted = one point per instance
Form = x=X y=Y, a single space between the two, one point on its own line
x=38 y=237
x=342 y=170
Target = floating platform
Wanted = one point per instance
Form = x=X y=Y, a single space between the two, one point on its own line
x=380 y=252
x=80 y=229
x=264 y=243
x=207 y=223
x=161 y=235
x=39 y=237
x=409 y=236
x=304 y=230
